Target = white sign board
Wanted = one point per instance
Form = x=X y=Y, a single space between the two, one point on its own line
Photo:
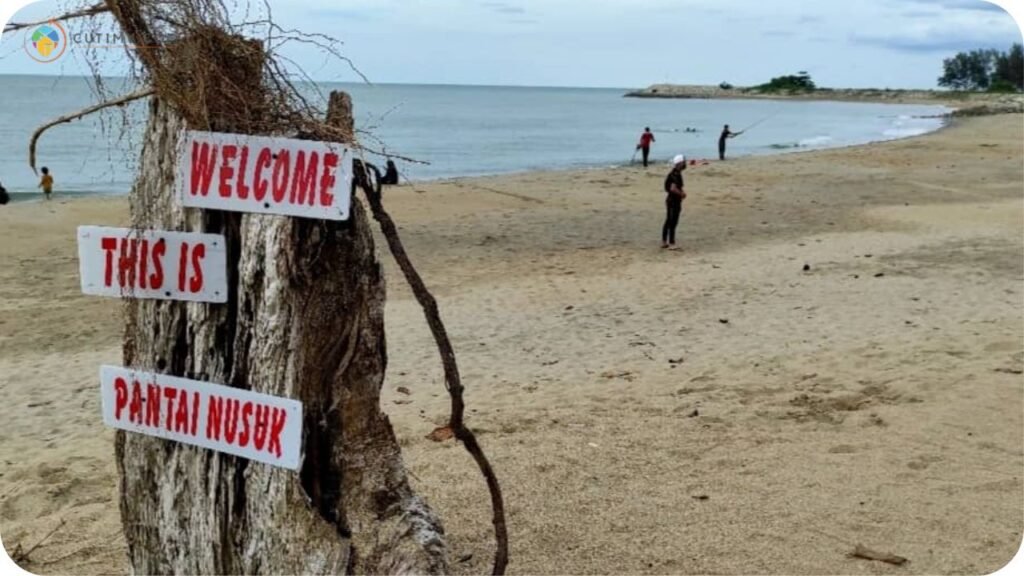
x=152 y=264
x=247 y=424
x=265 y=175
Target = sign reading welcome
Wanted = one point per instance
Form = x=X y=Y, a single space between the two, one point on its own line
x=265 y=175
x=248 y=424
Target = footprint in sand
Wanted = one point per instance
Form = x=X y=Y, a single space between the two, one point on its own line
x=923 y=462
x=1005 y=346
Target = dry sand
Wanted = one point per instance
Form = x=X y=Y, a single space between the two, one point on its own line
x=875 y=399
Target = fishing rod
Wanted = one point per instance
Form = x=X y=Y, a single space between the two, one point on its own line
x=759 y=122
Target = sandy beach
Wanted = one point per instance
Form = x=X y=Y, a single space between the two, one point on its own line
x=713 y=410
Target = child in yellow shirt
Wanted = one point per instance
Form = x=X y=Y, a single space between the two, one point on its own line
x=46 y=183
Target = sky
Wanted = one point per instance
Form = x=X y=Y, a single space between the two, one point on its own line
x=606 y=43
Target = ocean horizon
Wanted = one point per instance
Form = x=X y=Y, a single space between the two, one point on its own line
x=460 y=130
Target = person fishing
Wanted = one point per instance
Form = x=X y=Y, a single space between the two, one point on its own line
x=645 y=144
x=726 y=134
x=673 y=202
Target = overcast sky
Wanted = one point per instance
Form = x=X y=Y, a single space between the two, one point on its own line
x=615 y=43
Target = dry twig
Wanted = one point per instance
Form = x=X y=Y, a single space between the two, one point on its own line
x=142 y=93
x=93 y=10
x=452 y=379
x=18 y=556
x=869 y=554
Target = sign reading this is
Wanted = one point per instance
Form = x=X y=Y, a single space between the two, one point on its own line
x=122 y=262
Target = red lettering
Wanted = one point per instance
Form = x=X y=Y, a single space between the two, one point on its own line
x=262 y=163
x=182 y=266
x=213 y=417
x=135 y=408
x=120 y=396
x=126 y=263
x=231 y=421
x=143 y=263
x=240 y=188
x=198 y=253
x=204 y=157
x=181 y=415
x=305 y=178
x=228 y=153
x=152 y=405
x=170 y=394
x=156 y=279
x=327 y=180
x=195 y=412
x=109 y=245
x=282 y=170
x=276 y=427
x=262 y=422
x=243 y=438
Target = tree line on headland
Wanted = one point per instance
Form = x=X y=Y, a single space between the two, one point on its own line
x=985 y=70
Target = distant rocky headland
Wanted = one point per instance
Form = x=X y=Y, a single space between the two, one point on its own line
x=965 y=103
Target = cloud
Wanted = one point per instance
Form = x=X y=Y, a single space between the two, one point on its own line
x=778 y=34
x=504 y=8
x=343 y=13
x=968 y=5
x=919 y=14
x=809 y=19
x=936 y=40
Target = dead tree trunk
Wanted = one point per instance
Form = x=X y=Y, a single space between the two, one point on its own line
x=305 y=321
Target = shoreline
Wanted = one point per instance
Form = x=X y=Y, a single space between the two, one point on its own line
x=945 y=121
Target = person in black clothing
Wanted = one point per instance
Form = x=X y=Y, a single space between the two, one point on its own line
x=390 y=174
x=721 y=140
x=4 y=198
x=673 y=202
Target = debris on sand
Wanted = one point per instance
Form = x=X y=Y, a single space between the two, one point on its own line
x=403 y=390
x=627 y=375
x=1010 y=370
x=869 y=554
x=441 y=433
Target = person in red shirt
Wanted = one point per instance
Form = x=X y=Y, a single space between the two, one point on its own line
x=645 y=144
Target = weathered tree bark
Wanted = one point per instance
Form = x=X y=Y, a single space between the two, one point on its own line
x=305 y=321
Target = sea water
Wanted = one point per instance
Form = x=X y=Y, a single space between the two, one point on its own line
x=456 y=130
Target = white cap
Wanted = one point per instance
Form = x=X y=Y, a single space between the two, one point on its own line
x=679 y=158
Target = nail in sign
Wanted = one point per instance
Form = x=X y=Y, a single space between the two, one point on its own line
x=264 y=175
x=247 y=424
x=156 y=264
